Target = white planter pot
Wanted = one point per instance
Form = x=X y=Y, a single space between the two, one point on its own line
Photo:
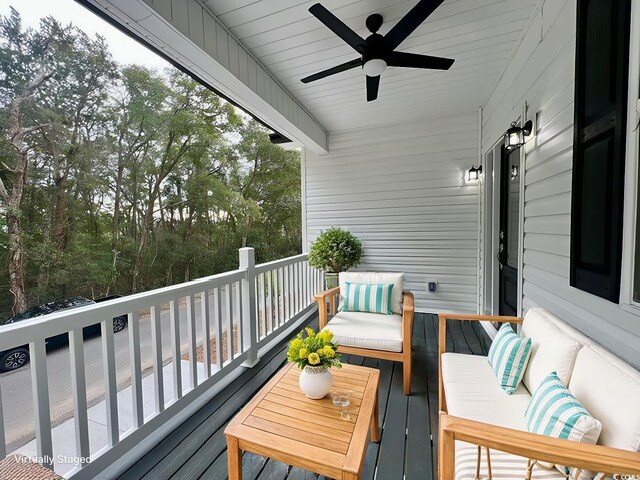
x=315 y=382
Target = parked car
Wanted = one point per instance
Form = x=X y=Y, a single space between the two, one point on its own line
x=19 y=356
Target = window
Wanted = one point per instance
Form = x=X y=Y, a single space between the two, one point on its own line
x=602 y=53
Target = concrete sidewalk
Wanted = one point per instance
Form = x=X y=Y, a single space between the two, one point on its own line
x=64 y=446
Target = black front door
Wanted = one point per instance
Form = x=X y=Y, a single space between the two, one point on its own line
x=508 y=247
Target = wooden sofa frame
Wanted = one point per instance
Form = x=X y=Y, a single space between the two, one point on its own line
x=596 y=458
x=407 y=326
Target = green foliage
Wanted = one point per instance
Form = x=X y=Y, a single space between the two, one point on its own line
x=335 y=250
x=134 y=167
x=314 y=350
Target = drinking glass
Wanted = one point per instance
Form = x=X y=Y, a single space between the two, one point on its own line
x=335 y=398
x=345 y=401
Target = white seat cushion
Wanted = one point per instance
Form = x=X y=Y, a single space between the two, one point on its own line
x=397 y=279
x=472 y=391
x=609 y=389
x=552 y=348
x=367 y=330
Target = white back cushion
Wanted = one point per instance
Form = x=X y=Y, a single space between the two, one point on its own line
x=397 y=279
x=552 y=348
x=609 y=389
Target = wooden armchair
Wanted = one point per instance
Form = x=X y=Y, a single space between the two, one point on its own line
x=329 y=298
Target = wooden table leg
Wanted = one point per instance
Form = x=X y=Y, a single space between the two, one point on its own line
x=375 y=426
x=234 y=456
x=350 y=476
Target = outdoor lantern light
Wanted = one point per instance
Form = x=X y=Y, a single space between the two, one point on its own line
x=514 y=138
x=474 y=173
x=514 y=172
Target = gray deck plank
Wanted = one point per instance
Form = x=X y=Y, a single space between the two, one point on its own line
x=431 y=335
x=471 y=337
x=418 y=445
x=274 y=471
x=392 y=443
x=459 y=342
x=299 y=474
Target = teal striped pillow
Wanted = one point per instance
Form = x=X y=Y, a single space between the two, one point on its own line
x=364 y=297
x=555 y=412
x=508 y=356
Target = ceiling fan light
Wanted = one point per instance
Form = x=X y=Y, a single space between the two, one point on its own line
x=374 y=67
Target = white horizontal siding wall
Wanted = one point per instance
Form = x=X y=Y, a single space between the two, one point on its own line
x=401 y=190
x=541 y=74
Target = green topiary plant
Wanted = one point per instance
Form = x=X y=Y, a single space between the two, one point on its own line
x=335 y=250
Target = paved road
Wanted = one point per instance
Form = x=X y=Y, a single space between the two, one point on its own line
x=16 y=385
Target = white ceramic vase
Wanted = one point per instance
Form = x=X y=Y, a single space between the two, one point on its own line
x=315 y=382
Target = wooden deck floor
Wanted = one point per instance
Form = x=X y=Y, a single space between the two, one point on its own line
x=197 y=449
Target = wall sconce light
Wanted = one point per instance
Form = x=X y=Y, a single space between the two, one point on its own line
x=474 y=173
x=514 y=137
x=514 y=172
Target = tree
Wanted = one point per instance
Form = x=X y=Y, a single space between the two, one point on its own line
x=268 y=183
x=121 y=179
x=32 y=51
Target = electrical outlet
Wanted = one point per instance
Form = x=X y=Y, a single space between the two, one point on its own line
x=432 y=287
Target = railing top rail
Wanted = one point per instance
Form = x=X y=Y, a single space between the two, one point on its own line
x=283 y=262
x=21 y=333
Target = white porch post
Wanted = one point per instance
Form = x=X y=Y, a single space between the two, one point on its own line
x=249 y=314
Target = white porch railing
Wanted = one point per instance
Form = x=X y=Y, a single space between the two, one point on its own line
x=237 y=313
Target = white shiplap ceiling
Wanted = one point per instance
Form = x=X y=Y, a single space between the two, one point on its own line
x=479 y=34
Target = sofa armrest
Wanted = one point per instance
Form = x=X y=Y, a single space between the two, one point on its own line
x=531 y=446
x=479 y=318
x=408 y=308
x=442 y=340
x=321 y=299
x=323 y=296
x=408 y=304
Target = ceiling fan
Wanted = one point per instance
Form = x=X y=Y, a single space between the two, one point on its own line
x=378 y=52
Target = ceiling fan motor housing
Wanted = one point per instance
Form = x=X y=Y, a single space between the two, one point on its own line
x=375 y=47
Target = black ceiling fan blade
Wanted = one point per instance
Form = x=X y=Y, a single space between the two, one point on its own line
x=414 y=60
x=410 y=22
x=373 y=83
x=343 y=67
x=338 y=27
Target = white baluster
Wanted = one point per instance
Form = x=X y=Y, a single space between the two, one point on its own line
x=156 y=348
x=218 y=315
x=174 y=313
x=229 y=321
x=191 y=334
x=206 y=332
x=136 y=375
x=79 y=393
x=263 y=303
x=269 y=276
x=41 y=412
x=237 y=315
x=110 y=384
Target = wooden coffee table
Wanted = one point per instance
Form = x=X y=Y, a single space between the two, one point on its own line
x=280 y=422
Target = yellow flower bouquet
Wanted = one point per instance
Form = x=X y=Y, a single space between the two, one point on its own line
x=314 y=350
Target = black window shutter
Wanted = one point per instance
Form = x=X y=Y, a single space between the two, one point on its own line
x=602 y=67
